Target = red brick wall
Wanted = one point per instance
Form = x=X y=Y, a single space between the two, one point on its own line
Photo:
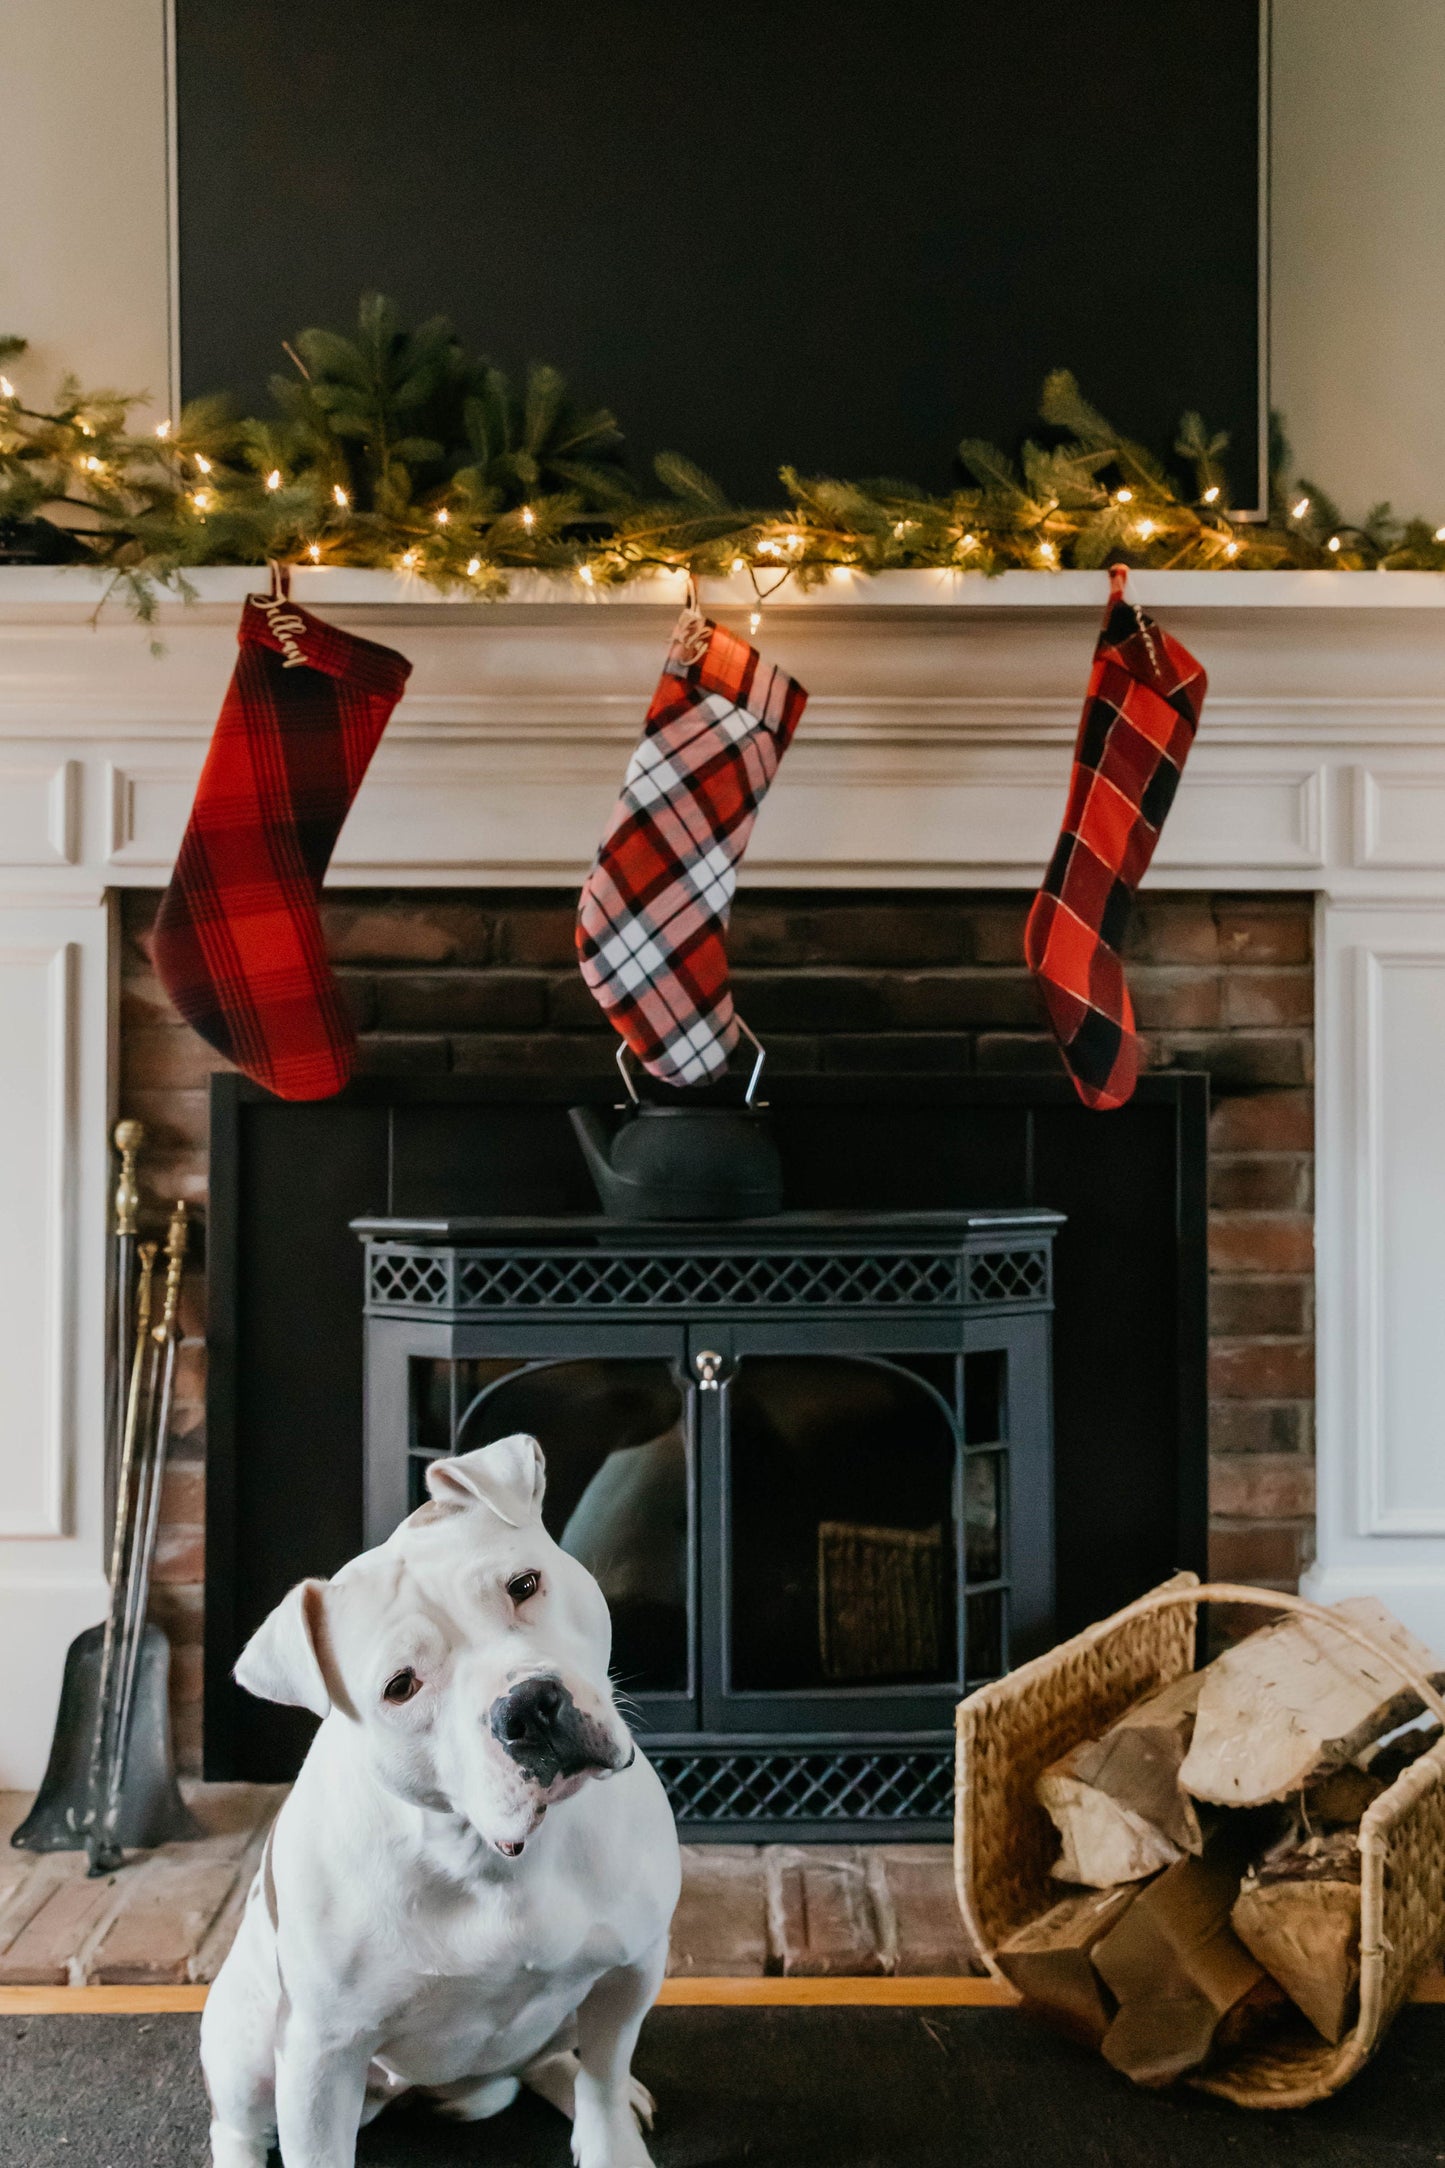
x=478 y=983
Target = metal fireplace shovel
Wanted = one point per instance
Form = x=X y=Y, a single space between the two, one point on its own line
x=110 y=1785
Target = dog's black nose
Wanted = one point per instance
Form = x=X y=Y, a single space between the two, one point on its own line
x=529 y=1716
x=545 y=1733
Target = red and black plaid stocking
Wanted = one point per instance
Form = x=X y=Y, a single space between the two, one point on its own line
x=237 y=941
x=656 y=904
x=1140 y=715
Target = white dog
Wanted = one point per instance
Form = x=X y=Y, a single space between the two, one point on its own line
x=416 y=1925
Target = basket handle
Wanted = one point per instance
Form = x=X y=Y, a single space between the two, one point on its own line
x=1273 y=1599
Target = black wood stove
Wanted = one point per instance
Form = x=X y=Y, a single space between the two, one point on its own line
x=809 y=1459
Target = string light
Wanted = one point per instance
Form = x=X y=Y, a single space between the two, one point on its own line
x=203 y=463
x=755 y=620
x=409 y=558
x=314 y=552
x=273 y=479
x=1047 y=552
x=474 y=566
x=1440 y=534
x=1298 y=511
x=1333 y=543
x=7 y=389
x=585 y=575
x=529 y=517
x=968 y=542
x=769 y=548
x=339 y=496
x=1145 y=529
x=738 y=565
x=1231 y=549
x=841 y=572
x=443 y=516
x=1211 y=495
x=91 y=464
x=1124 y=496
x=163 y=430
x=202 y=500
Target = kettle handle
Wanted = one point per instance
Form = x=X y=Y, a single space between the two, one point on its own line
x=623 y=1050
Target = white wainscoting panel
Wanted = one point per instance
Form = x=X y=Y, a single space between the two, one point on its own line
x=1399 y=819
x=37 y=1115
x=148 y=805
x=37 y=812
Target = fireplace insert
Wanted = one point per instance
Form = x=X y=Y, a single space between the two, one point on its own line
x=808 y=1458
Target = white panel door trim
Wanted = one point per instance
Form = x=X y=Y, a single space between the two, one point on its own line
x=46 y=1513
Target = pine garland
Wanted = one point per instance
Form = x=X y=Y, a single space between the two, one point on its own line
x=394 y=449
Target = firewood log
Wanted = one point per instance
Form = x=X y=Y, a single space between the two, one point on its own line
x=1298 y=1913
x=1295 y=1701
x=1049 y=1963
x=1117 y=1802
x=1175 y=1965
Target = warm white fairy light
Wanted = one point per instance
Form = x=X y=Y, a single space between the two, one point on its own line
x=410 y=558
x=1145 y=529
x=273 y=479
x=1211 y=495
x=1231 y=549
x=584 y=574
x=754 y=620
x=443 y=517
x=203 y=463
x=313 y=551
x=529 y=517
x=1047 y=552
x=968 y=542
x=1123 y=496
x=768 y=547
x=1298 y=511
x=91 y=464
x=163 y=430
x=7 y=389
x=339 y=496
x=474 y=566
x=1440 y=534
x=201 y=499
x=738 y=565
x=1333 y=543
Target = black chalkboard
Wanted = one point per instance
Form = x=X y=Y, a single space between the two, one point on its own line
x=841 y=234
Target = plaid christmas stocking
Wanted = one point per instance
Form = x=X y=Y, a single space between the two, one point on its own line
x=656 y=904
x=237 y=941
x=1140 y=715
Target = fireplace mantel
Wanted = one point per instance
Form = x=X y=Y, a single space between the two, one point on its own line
x=934 y=752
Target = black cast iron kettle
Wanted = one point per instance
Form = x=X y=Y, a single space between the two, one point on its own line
x=683 y=1162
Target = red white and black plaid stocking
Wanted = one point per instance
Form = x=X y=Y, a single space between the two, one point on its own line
x=656 y=904
x=1140 y=715
x=237 y=941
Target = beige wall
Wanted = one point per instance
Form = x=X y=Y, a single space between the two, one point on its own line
x=1359 y=246
x=84 y=259
x=1358 y=221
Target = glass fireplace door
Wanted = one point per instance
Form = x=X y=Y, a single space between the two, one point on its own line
x=837 y=1498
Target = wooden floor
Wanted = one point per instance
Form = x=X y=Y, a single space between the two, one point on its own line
x=748 y=1913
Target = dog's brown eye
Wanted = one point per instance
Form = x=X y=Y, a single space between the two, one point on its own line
x=523 y=1586
x=400 y=1686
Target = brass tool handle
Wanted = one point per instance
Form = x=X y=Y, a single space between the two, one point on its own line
x=129 y=1137
x=178 y=1237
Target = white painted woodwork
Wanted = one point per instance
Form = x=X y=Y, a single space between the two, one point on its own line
x=934 y=752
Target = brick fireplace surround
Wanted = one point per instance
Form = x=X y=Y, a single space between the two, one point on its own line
x=484 y=982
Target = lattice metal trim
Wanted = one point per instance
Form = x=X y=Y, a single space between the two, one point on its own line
x=847 y=1785
x=403 y=1277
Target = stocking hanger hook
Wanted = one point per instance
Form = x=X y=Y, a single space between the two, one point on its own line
x=280 y=580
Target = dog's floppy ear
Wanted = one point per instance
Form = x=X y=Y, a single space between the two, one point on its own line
x=509 y=1476
x=288 y=1657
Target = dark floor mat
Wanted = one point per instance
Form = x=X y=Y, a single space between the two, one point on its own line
x=815 y=2088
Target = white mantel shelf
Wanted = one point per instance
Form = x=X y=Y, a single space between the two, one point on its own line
x=934 y=752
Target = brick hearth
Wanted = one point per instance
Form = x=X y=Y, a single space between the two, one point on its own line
x=485 y=983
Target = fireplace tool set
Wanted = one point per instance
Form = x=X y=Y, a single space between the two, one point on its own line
x=110 y=1784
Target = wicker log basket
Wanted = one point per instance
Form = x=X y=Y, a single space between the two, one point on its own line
x=1005 y=1844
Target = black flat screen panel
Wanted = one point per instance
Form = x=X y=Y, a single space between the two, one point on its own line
x=841 y=235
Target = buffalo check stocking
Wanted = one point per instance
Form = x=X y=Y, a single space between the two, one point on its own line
x=656 y=904
x=237 y=941
x=1140 y=715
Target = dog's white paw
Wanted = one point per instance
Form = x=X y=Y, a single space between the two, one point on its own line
x=644 y=2107
x=476 y=2103
x=230 y=2150
x=611 y=2141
